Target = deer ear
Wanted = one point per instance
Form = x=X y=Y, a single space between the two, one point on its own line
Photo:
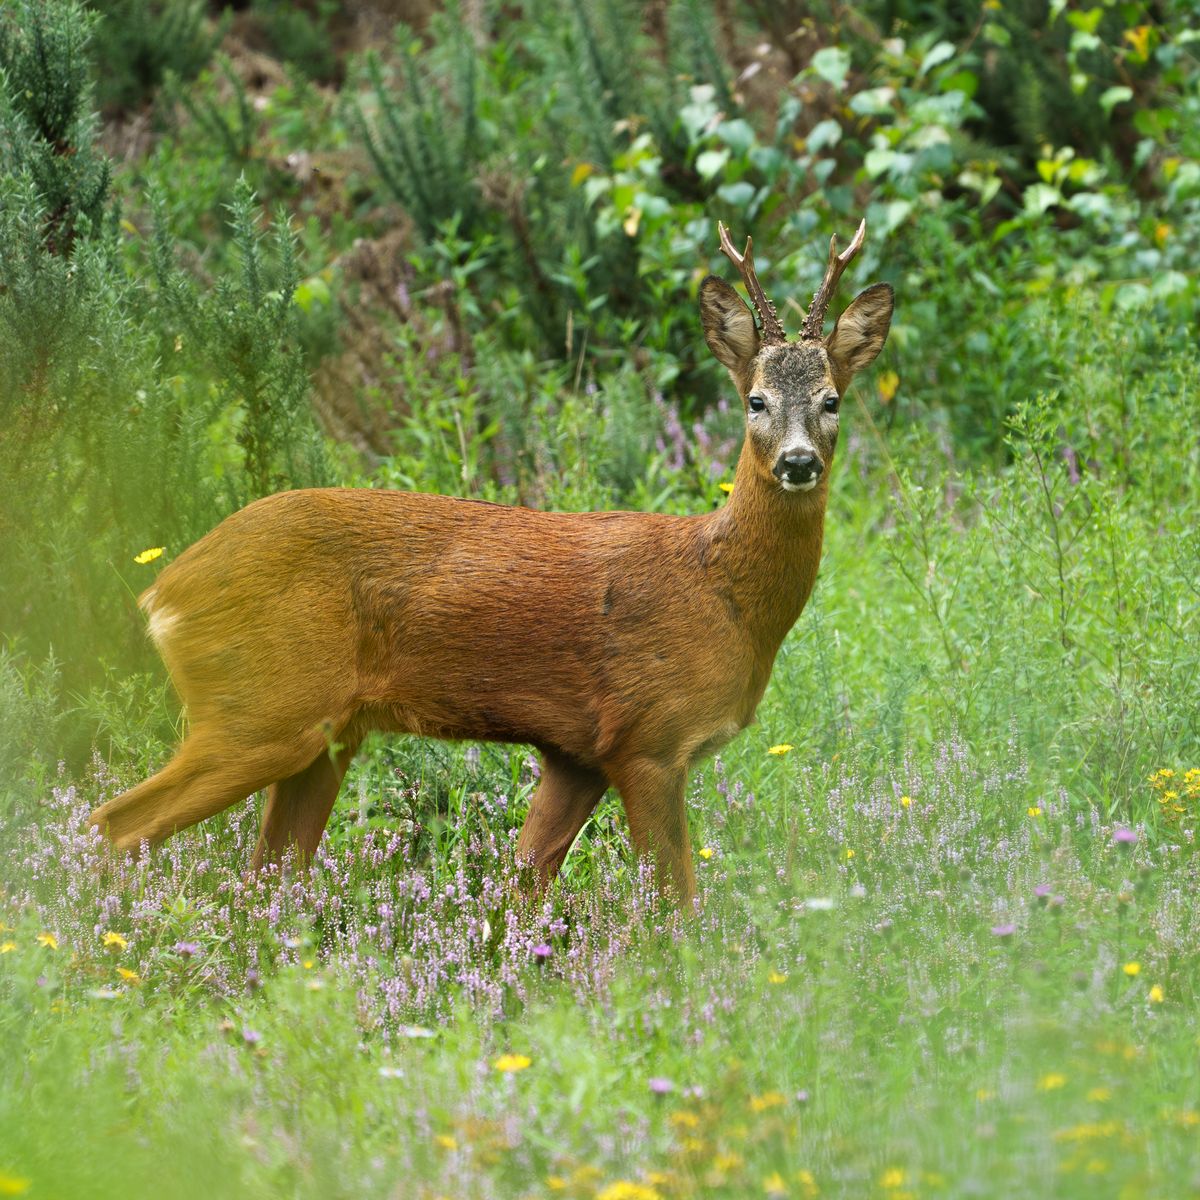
x=728 y=325
x=860 y=332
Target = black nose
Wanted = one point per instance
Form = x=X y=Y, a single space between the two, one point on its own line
x=798 y=468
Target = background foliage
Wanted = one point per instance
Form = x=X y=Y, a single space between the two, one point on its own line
x=459 y=251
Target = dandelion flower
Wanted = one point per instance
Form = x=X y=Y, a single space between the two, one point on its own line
x=128 y=975
x=508 y=1063
x=906 y=802
x=707 y=852
x=111 y=939
x=782 y=748
x=1155 y=995
x=1132 y=968
x=148 y=555
x=726 y=487
x=849 y=854
x=48 y=940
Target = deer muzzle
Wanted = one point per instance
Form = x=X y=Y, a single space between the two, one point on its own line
x=798 y=470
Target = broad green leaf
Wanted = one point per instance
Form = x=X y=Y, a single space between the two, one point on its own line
x=832 y=63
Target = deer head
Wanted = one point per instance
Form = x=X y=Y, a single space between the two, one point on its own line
x=792 y=391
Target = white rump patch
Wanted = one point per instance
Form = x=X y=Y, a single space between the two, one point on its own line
x=161 y=620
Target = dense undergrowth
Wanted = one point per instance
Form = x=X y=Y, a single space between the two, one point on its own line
x=947 y=937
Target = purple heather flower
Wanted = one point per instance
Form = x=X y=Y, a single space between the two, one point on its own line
x=660 y=1086
x=1003 y=931
x=1042 y=892
x=542 y=952
x=251 y=1036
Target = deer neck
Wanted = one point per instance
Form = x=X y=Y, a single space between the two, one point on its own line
x=765 y=548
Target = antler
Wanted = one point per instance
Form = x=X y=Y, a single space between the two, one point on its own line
x=772 y=330
x=814 y=322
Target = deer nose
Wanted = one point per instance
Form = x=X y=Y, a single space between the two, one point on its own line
x=798 y=468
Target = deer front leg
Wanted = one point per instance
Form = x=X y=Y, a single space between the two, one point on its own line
x=653 y=795
x=564 y=799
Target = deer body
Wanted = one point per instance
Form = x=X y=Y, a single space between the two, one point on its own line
x=623 y=646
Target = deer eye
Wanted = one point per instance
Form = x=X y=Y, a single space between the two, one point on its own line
x=757 y=404
x=831 y=403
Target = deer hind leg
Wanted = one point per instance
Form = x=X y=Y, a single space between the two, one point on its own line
x=298 y=807
x=653 y=795
x=209 y=773
x=564 y=799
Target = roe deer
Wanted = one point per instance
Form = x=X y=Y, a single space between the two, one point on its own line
x=622 y=646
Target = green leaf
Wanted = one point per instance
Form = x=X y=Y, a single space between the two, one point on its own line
x=874 y=102
x=832 y=63
x=1086 y=21
x=711 y=162
x=938 y=54
x=738 y=135
x=1039 y=197
x=824 y=133
x=1113 y=96
x=737 y=194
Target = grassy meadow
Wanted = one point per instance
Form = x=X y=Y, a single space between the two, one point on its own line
x=948 y=937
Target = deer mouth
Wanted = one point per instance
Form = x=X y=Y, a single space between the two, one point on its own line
x=789 y=486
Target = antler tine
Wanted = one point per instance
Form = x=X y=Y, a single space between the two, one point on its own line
x=768 y=318
x=814 y=322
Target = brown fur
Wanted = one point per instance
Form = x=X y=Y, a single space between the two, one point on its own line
x=623 y=646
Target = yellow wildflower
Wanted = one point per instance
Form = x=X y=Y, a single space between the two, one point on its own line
x=727 y=1161
x=1051 y=1082
x=1155 y=995
x=624 y=1189
x=777 y=977
x=13 y=1185
x=1034 y=811
x=114 y=939
x=1099 y=1094
x=556 y=1183
x=1131 y=969
x=782 y=748
x=128 y=975
x=5 y=947
x=849 y=854
x=48 y=940
x=148 y=555
x=512 y=1062
x=707 y=852
x=684 y=1119
x=726 y=488
x=767 y=1100
x=773 y=1185
x=893 y=1177
x=906 y=802
x=446 y=1141
x=983 y=1095
x=808 y=1181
